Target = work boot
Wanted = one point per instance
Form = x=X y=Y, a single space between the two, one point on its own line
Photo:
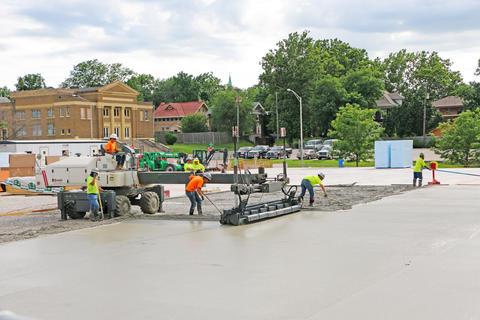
x=300 y=198
x=191 y=212
x=414 y=183
x=94 y=215
x=419 y=182
x=311 y=203
x=199 y=209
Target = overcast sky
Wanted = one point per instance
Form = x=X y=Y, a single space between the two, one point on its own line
x=163 y=37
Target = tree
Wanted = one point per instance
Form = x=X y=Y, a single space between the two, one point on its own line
x=356 y=131
x=31 y=81
x=460 y=141
x=471 y=95
x=414 y=75
x=208 y=86
x=4 y=92
x=145 y=84
x=196 y=122
x=224 y=111
x=179 y=88
x=170 y=138
x=93 y=73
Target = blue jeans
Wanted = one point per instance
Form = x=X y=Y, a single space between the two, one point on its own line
x=195 y=201
x=93 y=202
x=120 y=158
x=306 y=185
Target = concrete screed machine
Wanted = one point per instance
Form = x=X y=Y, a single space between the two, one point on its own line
x=131 y=186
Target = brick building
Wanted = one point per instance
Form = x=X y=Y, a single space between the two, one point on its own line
x=168 y=116
x=76 y=113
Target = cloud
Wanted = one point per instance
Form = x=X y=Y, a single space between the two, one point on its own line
x=165 y=37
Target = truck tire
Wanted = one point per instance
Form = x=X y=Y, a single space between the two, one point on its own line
x=170 y=168
x=69 y=207
x=122 y=206
x=149 y=202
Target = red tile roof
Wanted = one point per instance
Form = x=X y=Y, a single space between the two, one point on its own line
x=178 y=109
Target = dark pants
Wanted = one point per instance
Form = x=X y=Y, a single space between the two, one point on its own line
x=194 y=201
x=419 y=176
x=306 y=185
x=120 y=158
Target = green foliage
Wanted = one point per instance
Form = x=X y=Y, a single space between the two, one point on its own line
x=428 y=142
x=144 y=84
x=413 y=75
x=460 y=142
x=224 y=111
x=93 y=73
x=196 y=122
x=4 y=92
x=471 y=95
x=325 y=73
x=31 y=81
x=170 y=138
x=185 y=87
x=356 y=131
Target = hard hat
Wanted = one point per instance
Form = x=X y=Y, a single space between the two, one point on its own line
x=207 y=175
x=114 y=136
x=189 y=159
x=196 y=160
x=321 y=175
x=94 y=172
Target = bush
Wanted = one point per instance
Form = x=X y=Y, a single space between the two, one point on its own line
x=196 y=122
x=170 y=138
x=428 y=142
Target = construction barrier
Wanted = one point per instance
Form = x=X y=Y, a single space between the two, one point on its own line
x=250 y=163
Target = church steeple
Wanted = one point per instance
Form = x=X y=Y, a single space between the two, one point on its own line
x=229 y=84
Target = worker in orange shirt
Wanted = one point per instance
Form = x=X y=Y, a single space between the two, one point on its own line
x=194 y=193
x=112 y=147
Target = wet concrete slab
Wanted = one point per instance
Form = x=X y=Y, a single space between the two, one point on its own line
x=411 y=256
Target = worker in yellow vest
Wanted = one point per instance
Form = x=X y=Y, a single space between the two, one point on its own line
x=417 y=170
x=93 y=190
x=309 y=182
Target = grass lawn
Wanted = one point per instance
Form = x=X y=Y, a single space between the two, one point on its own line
x=187 y=148
x=294 y=163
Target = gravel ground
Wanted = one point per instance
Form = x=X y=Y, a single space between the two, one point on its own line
x=28 y=217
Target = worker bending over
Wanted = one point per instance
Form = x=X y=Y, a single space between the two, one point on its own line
x=309 y=182
x=93 y=190
x=194 y=193
x=417 y=170
x=113 y=147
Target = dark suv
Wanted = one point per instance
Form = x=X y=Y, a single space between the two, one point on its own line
x=259 y=152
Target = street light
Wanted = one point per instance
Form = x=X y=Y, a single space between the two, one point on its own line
x=427 y=96
x=301 y=123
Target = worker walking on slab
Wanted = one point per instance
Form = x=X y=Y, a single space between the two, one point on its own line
x=112 y=147
x=309 y=182
x=93 y=190
x=417 y=170
x=194 y=193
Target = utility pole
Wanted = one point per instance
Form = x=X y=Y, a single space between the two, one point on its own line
x=238 y=99
x=276 y=111
x=301 y=124
x=427 y=96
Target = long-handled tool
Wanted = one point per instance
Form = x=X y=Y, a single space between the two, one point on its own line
x=213 y=204
x=100 y=203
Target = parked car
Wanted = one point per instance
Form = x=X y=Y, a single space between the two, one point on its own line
x=325 y=152
x=329 y=142
x=242 y=151
x=316 y=143
x=308 y=152
x=259 y=152
x=277 y=152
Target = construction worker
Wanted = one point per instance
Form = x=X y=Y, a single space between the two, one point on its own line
x=93 y=190
x=417 y=170
x=187 y=167
x=194 y=193
x=196 y=166
x=309 y=182
x=113 y=147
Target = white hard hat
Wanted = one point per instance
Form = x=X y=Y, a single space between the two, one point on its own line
x=114 y=136
x=321 y=175
x=207 y=175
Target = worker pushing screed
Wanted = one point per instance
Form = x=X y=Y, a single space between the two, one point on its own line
x=417 y=170
x=194 y=193
x=308 y=183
